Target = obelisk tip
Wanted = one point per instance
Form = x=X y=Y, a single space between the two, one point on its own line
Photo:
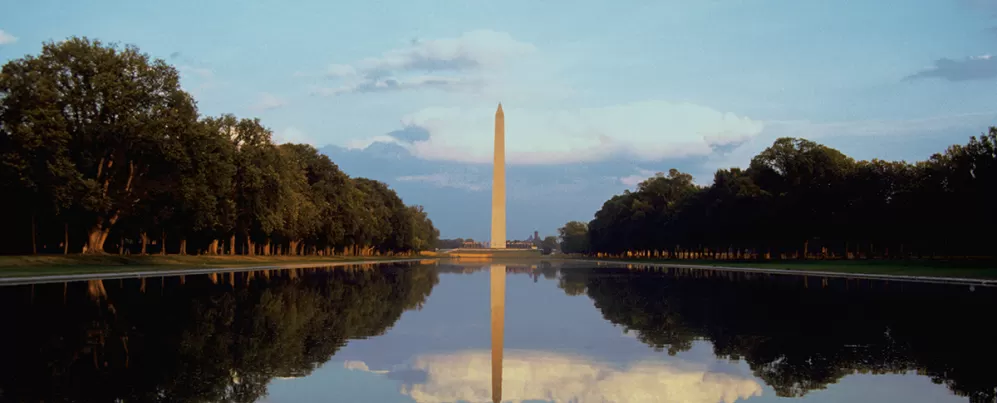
x=499 y=111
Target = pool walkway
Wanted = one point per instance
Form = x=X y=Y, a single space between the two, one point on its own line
x=885 y=277
x=59 y=278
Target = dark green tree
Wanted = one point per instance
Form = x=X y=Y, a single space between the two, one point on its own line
x=95 y=124
x=574 y=237
x=549 y=244
x=799 y=199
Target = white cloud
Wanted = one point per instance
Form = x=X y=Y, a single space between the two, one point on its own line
x=6 y=38
x=360 y=144
x=475 y=49
x=398 y=84
x=632 y=180
x=982 y=67
x=546 y=376
x=451 y=180
x=447 y=64
x=196 y=71
x=360 y=366
x=268 y=101
x=740 y=156
x=649 y=131
x=879 y=127
x=291 y=134
x=340 y=70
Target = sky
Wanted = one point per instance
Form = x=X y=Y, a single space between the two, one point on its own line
x=597 y=95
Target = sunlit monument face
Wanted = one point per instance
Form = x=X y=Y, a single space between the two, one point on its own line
x=498 y=183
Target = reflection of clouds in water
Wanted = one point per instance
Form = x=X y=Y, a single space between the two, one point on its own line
x=360 y=366
x=537 y=375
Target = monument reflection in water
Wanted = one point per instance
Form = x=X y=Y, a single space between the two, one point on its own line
x=497 y=284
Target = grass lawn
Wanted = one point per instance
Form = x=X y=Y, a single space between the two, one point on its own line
x=981 y=269
x=49 y=265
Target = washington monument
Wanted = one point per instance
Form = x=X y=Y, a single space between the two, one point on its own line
x=498 y=183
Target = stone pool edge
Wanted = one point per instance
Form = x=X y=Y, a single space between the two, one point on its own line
x=791 y=272
x=59 y=278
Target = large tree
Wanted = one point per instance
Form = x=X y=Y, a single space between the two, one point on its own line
x=94 y=121
x=258 y=186
x=574 y=237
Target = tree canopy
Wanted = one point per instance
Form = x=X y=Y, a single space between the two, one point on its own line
x=574 y=237
x=800 y=199
x=102 y=150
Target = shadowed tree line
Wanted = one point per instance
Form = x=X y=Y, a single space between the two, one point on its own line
x=833 y=328
x=800 y=199
x=101 y=150
x=207 y=338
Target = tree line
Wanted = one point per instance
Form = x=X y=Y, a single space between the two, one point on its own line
x=800 y=199
x=101 y=150
x=547 y=245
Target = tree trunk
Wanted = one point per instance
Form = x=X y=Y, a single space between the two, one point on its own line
x=145 y=240
x=213 y=248
x=162 y=250
x=806 y=248
x=231 y=245
x=292 y=247
x=266 y=249
x=250 y=251
x=34 y=235
x=95 y=240
x=183 y=247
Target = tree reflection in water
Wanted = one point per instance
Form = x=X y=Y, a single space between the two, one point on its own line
x=801 y=334
x=219 y=337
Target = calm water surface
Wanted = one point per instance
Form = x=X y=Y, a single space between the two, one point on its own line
x=481 y=332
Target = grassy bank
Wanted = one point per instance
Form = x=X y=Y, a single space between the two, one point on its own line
x=982 y=269
x=48 y=265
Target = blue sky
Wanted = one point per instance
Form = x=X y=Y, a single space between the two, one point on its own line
x=597 y=95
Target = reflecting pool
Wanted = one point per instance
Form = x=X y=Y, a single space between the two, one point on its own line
x=483 y=332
